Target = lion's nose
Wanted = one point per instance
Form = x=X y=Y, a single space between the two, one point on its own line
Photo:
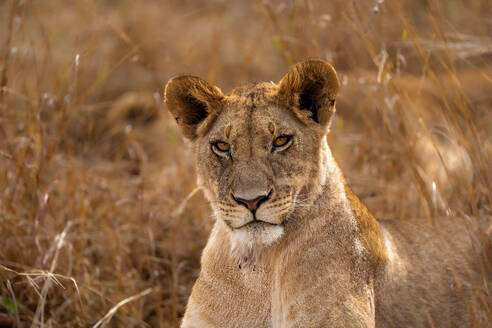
x=252 y=204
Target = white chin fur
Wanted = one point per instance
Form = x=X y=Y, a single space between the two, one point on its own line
x=248 y=242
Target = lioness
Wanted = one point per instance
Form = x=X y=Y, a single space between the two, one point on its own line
x=292 y=246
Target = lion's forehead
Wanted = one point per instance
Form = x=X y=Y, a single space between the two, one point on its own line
x=254 y=94
x=249 y=112
x=239 y=123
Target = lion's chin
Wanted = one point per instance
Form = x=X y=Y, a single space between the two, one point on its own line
x=250 y=240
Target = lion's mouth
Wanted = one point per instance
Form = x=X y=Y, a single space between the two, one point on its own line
x=255 y=224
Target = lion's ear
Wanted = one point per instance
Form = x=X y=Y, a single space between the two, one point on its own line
x=311 y=87
x=192 y=101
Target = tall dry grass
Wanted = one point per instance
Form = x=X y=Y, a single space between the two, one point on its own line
x=97 y=223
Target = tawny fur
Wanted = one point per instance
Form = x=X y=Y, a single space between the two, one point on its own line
x=312 y=255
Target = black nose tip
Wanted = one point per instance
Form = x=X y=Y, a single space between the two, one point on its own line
x=252 y=204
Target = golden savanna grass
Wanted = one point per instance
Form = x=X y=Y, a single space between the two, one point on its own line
x=100 y=221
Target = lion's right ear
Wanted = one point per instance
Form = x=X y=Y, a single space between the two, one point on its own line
x=310 y=87
x=193 y=102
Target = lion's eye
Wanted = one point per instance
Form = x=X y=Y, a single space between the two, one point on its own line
x=282 y=141
x=221 y=147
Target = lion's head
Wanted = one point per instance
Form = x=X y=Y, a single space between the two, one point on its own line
x=261 y=148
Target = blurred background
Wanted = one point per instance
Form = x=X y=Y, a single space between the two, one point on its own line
x=100 y=221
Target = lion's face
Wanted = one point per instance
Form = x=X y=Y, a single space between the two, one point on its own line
x=255 y=163
x=259 y=149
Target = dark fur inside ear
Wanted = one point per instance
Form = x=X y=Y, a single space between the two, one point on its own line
x=311 y=86
x=191 y=101
x=309 y=98
x=196 y=111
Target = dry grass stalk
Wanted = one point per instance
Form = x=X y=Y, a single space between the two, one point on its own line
x=107 y=318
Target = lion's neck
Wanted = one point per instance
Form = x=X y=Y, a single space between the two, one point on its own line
x=325 y=195
x=331 y=178
x=336 y=213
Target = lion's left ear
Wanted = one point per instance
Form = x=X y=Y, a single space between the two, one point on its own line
x=311 y=87
x=194 y=103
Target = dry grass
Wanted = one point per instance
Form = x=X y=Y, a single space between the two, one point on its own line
x=93 y=174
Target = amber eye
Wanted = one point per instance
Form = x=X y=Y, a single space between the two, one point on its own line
x=221 y=147
x=282 y=141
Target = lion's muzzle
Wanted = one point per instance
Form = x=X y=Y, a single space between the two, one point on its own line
x=252 y=204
